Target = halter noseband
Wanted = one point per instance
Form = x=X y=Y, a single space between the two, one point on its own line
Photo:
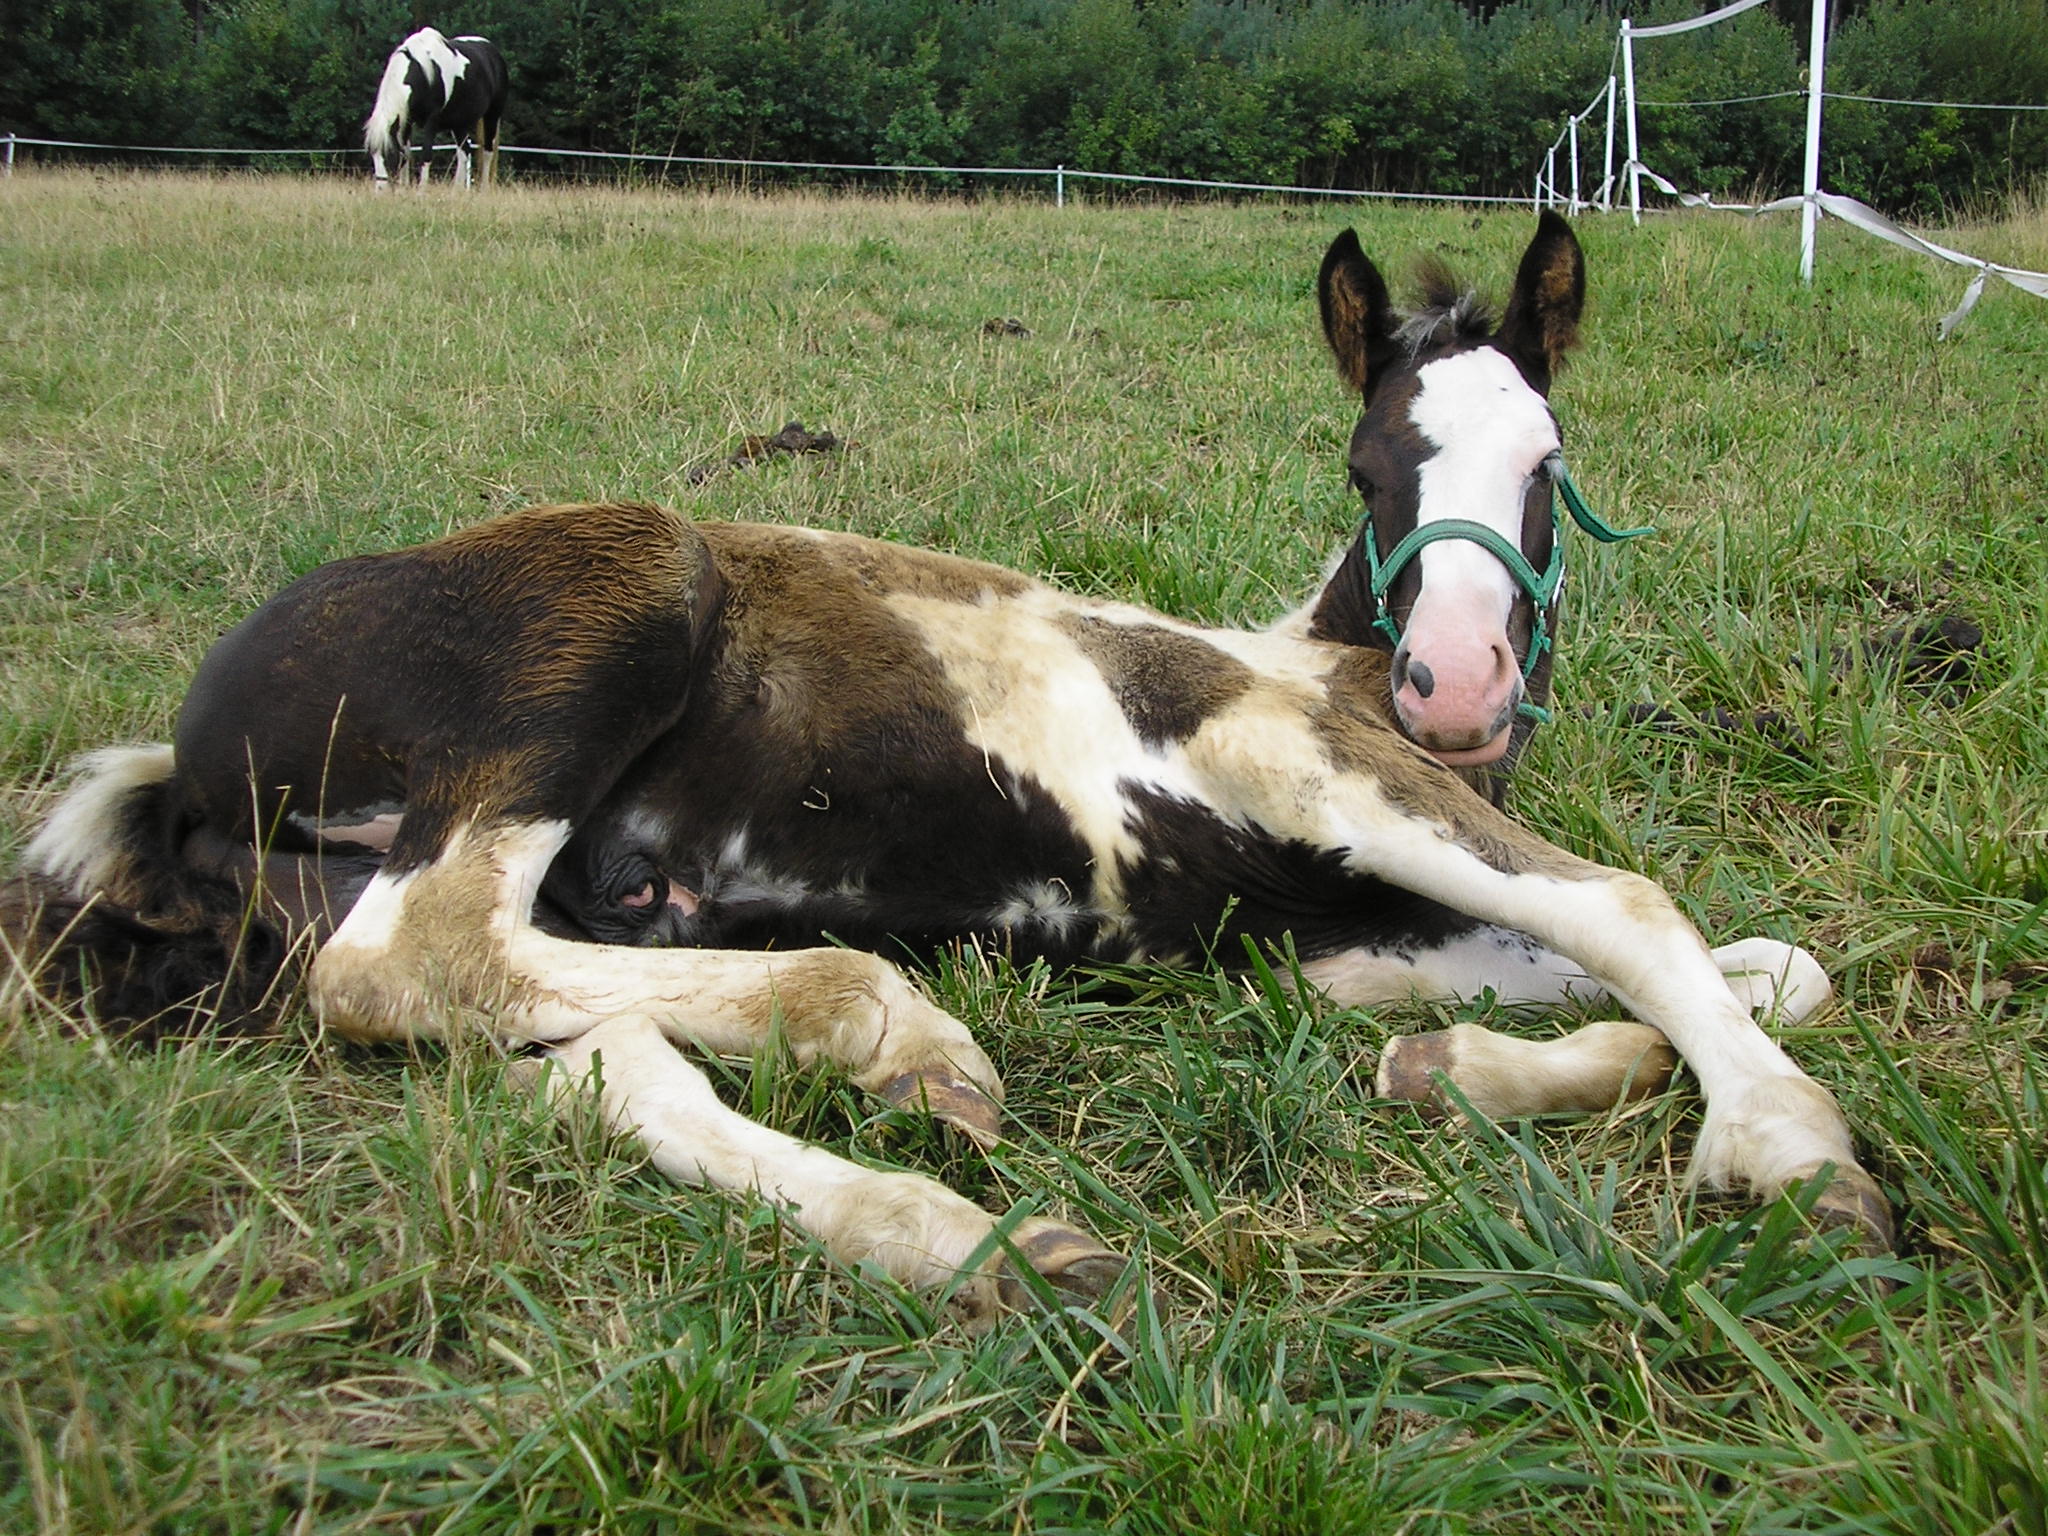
x=1542 y=588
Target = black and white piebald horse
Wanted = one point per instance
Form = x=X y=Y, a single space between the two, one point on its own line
x=433 y=82
x=602 y=782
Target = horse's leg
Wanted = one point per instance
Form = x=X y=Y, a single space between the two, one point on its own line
x=914 y=1228
x=1592 y=1069
x=462 y=176
x=1402 y=818
x=453 y=935
x=1768 y=976
x=846 y=1007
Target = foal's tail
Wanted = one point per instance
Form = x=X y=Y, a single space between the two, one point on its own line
x=106 y=913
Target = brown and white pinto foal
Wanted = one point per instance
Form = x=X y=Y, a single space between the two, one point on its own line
x=602 y=782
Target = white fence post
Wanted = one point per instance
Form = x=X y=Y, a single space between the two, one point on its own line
x=1607 y=162
x=10 y=154
x=1816 y=63
x=1059 y=187
x=1628 y=76
x=1575 y=204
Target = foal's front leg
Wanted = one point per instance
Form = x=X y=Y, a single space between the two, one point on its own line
x=1405 y=819
x=1594 y=1068
x=1768 y=1126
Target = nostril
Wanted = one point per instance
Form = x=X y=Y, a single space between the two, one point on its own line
x=1423 y=679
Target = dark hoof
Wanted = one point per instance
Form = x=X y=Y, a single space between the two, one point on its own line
x=1079 y=1269
x=1409 y=1068
x=1853 y=1200
x=951 y=1100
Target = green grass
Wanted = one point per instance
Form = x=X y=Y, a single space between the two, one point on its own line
x=284 y=1284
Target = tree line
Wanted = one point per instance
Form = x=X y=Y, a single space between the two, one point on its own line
x=1439 y=96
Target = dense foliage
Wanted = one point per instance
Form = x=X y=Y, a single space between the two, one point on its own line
x=1416 y=95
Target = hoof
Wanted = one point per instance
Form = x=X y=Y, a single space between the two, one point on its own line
x=1853 y=1200
x=1078 y=1268
x=1409 y=1069
x=951 y=1100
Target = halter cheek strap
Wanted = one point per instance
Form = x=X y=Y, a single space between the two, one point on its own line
x=1542 y=586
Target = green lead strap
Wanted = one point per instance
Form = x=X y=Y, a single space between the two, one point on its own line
x=1584 y=515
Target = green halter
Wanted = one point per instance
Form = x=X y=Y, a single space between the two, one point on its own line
x=1542 y=587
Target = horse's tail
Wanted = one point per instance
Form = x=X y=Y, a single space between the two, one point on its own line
x=390 y=118
x=107 y=913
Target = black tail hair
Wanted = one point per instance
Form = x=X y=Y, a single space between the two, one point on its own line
x=162 y=948
x=144 y=979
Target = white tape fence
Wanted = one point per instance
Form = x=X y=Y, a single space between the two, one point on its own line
x=1058 y=176
x=1812 y=202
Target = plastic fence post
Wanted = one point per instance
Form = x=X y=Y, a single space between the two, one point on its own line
x=1574 y=206
x=1628 y=76
x=1816 y=64
x=1607 y=164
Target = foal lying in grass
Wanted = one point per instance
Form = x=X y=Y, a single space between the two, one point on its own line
x=607 y=783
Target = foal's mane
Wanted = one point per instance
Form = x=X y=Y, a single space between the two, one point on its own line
x=1446 y=311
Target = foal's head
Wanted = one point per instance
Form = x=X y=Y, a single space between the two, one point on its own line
x=1453 y=457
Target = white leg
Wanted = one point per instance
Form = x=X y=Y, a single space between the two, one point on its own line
x=462 y=167
x=913 y=1227
x=1774 y=978
x=1767 y=1124
x=457 y=932
x=1594 y=1068
x=1767 y=976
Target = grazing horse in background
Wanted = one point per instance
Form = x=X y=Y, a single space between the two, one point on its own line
x=608 y=784
x=431 y=82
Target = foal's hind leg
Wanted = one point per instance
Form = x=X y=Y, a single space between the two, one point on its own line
x=458 y=930
x=913 y=1227
x=454 y=935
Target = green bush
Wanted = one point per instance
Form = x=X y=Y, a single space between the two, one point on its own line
x=1440 y=96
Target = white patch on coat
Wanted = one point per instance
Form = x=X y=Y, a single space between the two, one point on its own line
x=1046 y=905
x=1033 y=699
x=371 y=830
x=373 y=922
x=1512 y=966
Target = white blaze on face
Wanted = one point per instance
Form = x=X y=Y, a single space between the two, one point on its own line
x=1491 y=431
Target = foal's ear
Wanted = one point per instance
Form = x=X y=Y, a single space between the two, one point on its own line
x=1542 y=319
x=1358 y=318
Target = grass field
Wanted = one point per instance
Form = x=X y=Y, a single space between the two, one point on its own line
x=283 y=1284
